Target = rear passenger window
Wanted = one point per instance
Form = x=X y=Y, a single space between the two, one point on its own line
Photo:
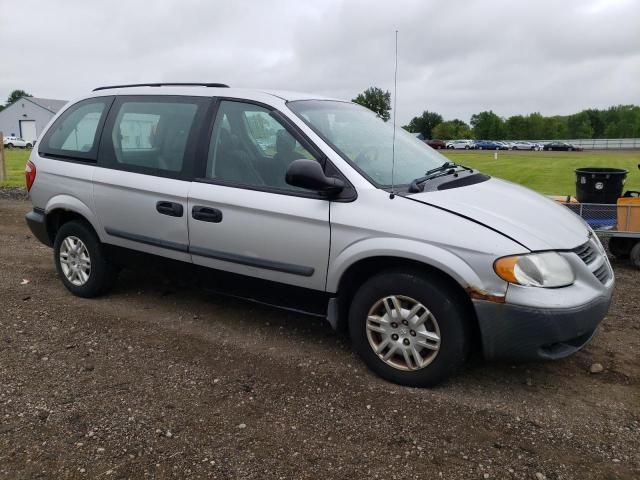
x=75 y=133
x=151 y=135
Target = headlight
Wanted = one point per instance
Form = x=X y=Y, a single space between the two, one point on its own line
x=547 y=270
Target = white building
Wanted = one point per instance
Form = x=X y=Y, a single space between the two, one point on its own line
x=27 y=117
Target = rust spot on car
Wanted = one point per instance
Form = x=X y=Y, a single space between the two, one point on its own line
x=479 y=294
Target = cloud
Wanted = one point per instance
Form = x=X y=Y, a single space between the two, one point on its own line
x=455 y=57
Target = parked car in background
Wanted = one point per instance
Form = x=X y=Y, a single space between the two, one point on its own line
x=437 y=144
x=16 y=142
x=523 y=146
x=487 y=145
x=561 y=146
x=503 y=145
x=460 y=144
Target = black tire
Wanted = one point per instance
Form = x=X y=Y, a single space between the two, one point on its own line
x=634 y=255
x=9 y=146
x=28 y=145
x=445 y=304
x=466 y=147
x=102 y=274
x=620 y=247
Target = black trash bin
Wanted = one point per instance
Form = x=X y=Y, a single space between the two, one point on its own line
x=599 y=185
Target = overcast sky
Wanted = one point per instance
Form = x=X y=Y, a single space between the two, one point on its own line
x=455 y=57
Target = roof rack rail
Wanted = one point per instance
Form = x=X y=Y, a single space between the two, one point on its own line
x=219 y=85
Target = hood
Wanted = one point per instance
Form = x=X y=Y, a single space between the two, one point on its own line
x=531 y=219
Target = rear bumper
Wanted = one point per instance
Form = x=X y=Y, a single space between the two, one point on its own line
x=38 y=225
x=524 y=333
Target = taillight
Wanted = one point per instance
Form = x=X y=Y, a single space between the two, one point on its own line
x=30 y=174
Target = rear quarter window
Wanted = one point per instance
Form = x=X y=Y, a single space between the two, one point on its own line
x=75 y=134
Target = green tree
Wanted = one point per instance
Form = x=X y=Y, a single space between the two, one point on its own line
x=554 y=128
x=579 y=126
x=517 y=128
x=535 y=126
x=596 y=118
x=452 y=129
x=618 y=121
x=487 y=125
x=424 y=124
x=626 y=122
x=15 y=95
x=376 y=100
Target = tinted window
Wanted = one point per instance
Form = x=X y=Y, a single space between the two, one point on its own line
x=250 y=147
x=75 y=133
x=152 y=134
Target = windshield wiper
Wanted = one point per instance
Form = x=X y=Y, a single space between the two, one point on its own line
x=447 y=168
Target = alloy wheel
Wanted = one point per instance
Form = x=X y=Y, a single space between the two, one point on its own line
x=75 y=260
x=403 y=333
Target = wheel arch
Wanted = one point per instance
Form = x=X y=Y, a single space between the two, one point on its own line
x=361 y=270
x=64 y=208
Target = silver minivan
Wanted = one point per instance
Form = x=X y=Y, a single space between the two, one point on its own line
x=419 y=259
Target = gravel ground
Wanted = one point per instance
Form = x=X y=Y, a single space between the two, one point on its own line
x=13 y=193
x=166 y=381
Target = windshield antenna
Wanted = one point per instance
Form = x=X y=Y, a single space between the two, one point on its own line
x=395 y=102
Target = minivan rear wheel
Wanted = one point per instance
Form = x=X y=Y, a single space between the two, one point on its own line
x=81 y=261
x=409 y=328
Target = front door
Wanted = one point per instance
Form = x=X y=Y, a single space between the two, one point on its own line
x=143 y=176
x=243 y=217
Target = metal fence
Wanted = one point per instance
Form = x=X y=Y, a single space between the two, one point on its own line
x=623 y=220
x=601 y=143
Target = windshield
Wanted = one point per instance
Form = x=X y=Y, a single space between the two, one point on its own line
x=366 y=141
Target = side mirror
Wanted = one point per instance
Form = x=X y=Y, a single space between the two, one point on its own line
x=308 y=174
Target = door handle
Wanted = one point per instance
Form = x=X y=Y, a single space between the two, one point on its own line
x=206 y=214
x=169 y=208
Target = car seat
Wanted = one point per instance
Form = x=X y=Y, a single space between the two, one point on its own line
x=285 y=154
x=232 y=163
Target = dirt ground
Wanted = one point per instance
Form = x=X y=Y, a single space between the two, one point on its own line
x=165 y=381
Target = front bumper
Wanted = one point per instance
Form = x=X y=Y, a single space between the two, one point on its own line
x=533 y=333
x=38 y=225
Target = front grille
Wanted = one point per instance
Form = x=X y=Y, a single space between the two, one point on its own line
x=586 y=252
x=602 y=273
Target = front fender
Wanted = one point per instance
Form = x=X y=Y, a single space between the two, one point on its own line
x=426 y=253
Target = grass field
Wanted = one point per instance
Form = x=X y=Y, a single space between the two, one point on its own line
x=16 y=160
x=546 y=172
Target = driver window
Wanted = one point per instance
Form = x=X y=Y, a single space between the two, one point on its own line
x=250 y=147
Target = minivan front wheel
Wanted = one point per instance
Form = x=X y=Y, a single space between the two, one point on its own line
x=81 y=261
x=408 y=328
